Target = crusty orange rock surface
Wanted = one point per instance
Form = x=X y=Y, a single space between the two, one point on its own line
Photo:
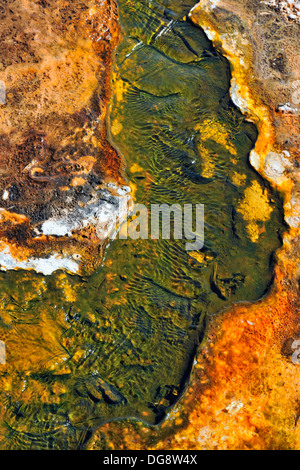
x=54 y=156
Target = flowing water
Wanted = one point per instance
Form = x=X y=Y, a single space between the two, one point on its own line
x=120 y=343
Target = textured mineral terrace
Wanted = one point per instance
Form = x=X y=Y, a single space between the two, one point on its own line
x=59 y=196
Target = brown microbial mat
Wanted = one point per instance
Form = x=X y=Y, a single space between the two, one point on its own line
x=130 y=342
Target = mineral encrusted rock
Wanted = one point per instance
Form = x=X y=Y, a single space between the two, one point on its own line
x=61 y=182
x=261 y=40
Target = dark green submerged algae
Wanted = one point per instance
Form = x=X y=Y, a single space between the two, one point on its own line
x=123 y=342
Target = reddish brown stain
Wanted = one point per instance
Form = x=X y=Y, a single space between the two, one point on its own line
x=56 y=58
